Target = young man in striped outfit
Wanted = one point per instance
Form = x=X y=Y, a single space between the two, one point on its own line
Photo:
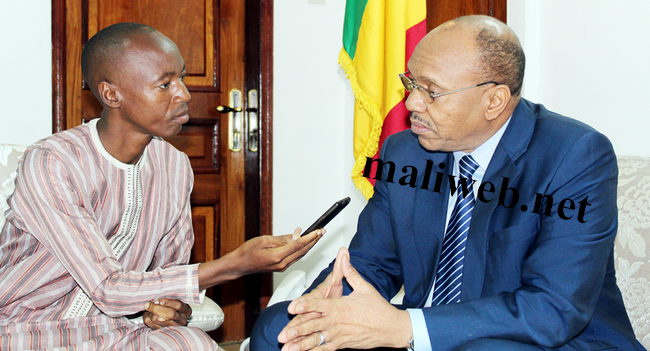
x=100 y=226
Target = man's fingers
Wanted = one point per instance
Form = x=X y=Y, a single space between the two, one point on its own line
x=306 y=305
x=160 y=311
x=303 y=241
x=301 y=318
x=308 y=342
x=295 y=250
x=317 y=293
x=295 y=303
x=352 y=276
x=303 y=328
x=301 y=251
x=297 y=306
x=294 y=341
x=166 y=312
x=285 y=245
x=296 y=234
x=182 y=308
x=149 y=322
x=289 y=333
x=155 y=322
x=335 y=284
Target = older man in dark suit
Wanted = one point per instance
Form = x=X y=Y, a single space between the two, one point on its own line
x=519 y=259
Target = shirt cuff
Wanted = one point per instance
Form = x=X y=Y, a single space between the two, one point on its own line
x=420 y=332
x=201 y=297
x=194 y=295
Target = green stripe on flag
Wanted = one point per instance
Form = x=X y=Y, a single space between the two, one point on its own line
x=353 y=16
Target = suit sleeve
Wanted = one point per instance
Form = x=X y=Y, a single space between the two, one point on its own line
x=566 y=263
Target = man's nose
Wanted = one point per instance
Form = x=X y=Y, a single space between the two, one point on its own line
x=183 y=95
x=415 y=101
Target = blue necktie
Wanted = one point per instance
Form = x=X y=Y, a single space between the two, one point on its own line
x=450 y=269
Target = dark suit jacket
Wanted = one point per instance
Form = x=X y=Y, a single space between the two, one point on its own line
x=528 y=277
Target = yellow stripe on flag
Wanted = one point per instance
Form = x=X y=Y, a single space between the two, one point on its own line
x=373 y=73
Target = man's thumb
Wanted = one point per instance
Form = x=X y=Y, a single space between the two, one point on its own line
x=351 y=274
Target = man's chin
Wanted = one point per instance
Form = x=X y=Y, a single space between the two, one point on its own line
x=430 y=145
x=172 y=132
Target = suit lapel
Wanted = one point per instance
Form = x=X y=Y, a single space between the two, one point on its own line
x=430 y=214
x=476 y=249
x=512 y=145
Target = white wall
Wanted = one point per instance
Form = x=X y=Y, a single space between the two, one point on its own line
x=312 y=127
x=588 y=59
x=26 y=64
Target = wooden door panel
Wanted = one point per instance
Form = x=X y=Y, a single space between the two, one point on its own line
x=190 y=24
x=207 y=189
x=203 y=220
x=199 y=139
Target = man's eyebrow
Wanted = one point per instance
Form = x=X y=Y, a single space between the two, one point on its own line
x=428 y=81
x=164 y=75
x=167 y=74
x=423 y=79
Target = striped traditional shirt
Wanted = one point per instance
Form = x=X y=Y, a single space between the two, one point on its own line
x=83 y=223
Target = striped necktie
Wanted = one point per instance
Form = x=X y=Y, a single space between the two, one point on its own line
x=450 y=267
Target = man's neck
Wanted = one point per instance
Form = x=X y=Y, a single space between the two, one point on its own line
x=123 y=145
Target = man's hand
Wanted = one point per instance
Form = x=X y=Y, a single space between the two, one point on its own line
x=332 y=286
x=268 y=253
x=362 y=320
x=166 y=313
x=258 y=255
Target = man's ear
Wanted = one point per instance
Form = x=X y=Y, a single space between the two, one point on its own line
x=108 y=94
x=498 y=102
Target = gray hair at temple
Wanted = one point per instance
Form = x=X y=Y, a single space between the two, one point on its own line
x=100 y=53
x=501 y=57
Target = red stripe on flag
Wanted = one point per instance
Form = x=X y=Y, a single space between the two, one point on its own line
x=413 y=37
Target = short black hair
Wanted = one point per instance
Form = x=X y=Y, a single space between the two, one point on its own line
x=105 y=46
x=501 y=59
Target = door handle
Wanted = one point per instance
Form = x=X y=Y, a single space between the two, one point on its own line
x=234 y=119
x=227 y=109
x=253 y=121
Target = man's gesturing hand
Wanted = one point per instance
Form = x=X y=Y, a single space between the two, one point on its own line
x=362 y=320
x=332 y=286
x=166 y=313
x=274 y=253
x=260 y=254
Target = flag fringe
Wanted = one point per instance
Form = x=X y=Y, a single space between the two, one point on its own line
x=371 y=106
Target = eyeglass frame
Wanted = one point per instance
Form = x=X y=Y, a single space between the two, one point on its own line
x=408 y=80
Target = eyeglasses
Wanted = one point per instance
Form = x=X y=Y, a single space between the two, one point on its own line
x=410 y=84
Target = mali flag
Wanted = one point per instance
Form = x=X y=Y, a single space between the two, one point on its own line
x=378 y=39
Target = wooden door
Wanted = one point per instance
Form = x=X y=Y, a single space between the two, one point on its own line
x=441 y=11
x=215 y=43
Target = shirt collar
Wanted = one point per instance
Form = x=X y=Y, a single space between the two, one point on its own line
x=483 y=154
